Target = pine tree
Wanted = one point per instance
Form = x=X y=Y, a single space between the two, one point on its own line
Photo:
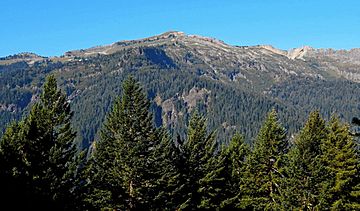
x=341 y=160
x=123 y=161
x=63 y=151
x=171 y=175
x=264 y=167
x=236 y=153
x=212 y=185
x=45 y=142
x=198 y=150
x=12 y=167
x=220 y=188
x=306 y=170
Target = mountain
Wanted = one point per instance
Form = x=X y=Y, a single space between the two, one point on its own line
x=234 y=85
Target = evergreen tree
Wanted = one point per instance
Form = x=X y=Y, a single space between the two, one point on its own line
x=342 y=162
x=198 y=151
x=306 y=171
x=264 y=167
x=45 y=143
x=220 y=188
x=171 y=176
x=123 y=162
x=238 y=152
x=12 y=167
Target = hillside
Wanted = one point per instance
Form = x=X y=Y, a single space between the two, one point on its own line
x=235 y=85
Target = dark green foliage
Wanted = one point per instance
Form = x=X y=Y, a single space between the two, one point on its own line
x=123 y=159
x=12 y=166
x=221 y=185
x=198 y=151
x=307 y=174
x=326 y=96
x=136 y=166
x=323 y=167
x=342 y=162
x=171 y=175
x=92 y=84
x=40 y=151
x=264 y=168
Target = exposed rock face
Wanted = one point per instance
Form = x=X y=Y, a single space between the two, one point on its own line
x=190 y=99
x=272 y=49
x=298 y=53
x=194 y=96
x=170 y=114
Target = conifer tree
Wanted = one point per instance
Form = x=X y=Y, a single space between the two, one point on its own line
x=12 y=168
x=238 y=152
x=342 y=163
x=264 y=167
x=45 y=142
x=220 y=188
x=123 y=161
x=306 y=170
x=198 y=151
x=171 y=175
x=62 y=154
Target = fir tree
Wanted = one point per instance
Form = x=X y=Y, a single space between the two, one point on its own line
x=198 y=151
x=341 y=160
x=264 y=168
x=45 y=143
x=236 y=155
x=123 y=161
x=306 y=170
x=171 y=175
x=220 y=188
x=12 y=167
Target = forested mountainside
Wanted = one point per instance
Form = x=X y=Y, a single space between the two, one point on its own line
x=235 y=86
x=135 y=165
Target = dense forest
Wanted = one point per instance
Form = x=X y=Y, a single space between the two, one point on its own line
x=234 y=86
x=135 y=164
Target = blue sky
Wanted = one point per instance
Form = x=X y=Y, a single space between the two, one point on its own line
x=51 y=28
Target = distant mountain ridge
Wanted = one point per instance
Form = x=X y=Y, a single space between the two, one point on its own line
x=183 y=73
x=208 y=49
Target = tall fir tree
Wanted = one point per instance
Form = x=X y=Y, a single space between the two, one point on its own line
x=342 y=162
x=306 y=170
x=236 y=155
x=45 y=142
x=171 y=175
x=198 y=151
x=122 y=169
x=264 y=168
x=220 y=188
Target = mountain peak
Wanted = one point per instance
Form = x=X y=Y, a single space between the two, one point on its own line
x=172 y=34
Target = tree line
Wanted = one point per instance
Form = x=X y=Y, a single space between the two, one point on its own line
x=137 y=166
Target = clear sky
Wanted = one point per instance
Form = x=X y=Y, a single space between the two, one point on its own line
x=52 y=27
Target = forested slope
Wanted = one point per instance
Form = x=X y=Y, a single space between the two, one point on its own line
x=234 y=86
